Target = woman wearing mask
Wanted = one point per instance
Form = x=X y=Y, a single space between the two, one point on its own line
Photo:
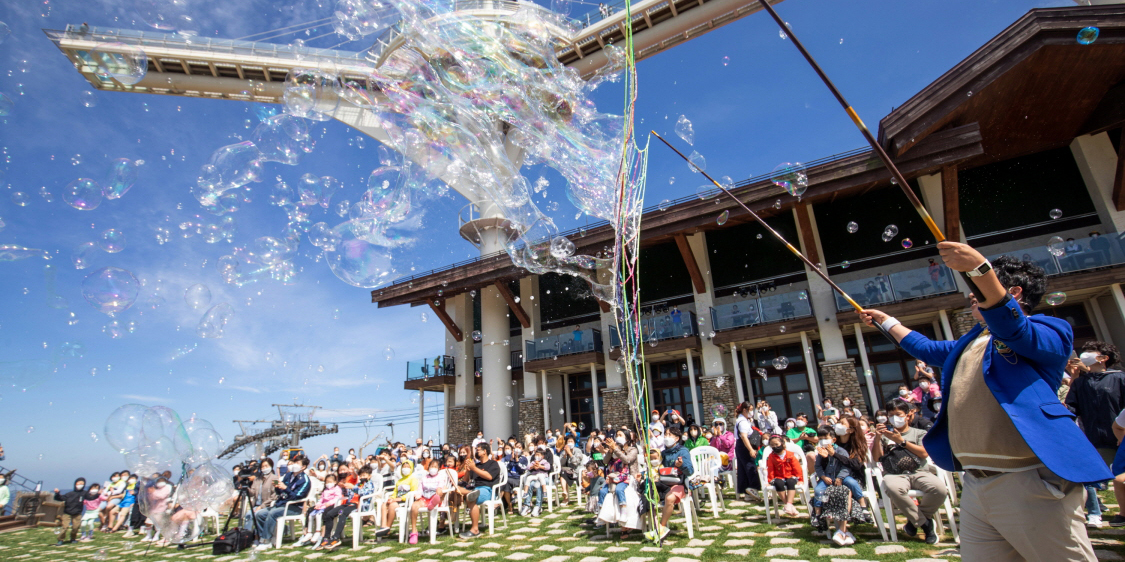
x=848 y=406
x=623 y=452
x=406 y=485
x=695 y=438
x=747 y=442
x=572 y=460
x=828 y=410
x=263 y=490
x=766 y=419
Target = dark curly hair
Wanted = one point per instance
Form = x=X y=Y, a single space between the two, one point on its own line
x=1103 y=348
x=1025 y=274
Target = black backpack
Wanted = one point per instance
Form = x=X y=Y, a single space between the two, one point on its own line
x=233 y=541
x=898 y=460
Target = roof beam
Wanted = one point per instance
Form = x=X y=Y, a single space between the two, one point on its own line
x=689 y=261
x=804 y=224
x=518 y=310
x=439 y=310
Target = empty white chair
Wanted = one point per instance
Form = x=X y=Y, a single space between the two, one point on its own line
x=706 y=462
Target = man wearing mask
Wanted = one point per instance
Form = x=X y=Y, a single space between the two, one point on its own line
x=336 y=456
x=72 y=510
x=294 y=487
x=1096 y=397
x=484 y=473
x=479 y=439
x=1003 y=376
x=898 y=433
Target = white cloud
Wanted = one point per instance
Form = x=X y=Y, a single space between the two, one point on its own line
x=147 y=400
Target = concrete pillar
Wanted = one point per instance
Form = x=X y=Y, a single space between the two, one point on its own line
x=875 y=401
x=946 y=328
x=422 y=415
x=1114 y=312
x=810 y=363
x=750 y=374
x=446 y=393
x=737 y=373
x=822 y=298
x=460 y=309
x=566 y=398
x=495 y=378
x=691 y=381
x=711 y=355
x=529 y=298
x=546 y=402
x=594 y=386
x=1097 y=161
x=1099 y=321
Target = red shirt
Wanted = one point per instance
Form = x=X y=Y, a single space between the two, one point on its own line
x=783 y=466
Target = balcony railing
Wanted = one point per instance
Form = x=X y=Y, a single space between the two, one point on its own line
x=517 y=359
x=1077 y=255
x=430 y=367
x=675 y=324
x=761 y=310
x=897 y=287
x=566 y=343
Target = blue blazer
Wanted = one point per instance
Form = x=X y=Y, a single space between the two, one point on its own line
x=1026 y=390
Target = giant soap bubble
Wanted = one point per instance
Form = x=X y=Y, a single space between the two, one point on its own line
x=110 y=289
x=126 y=64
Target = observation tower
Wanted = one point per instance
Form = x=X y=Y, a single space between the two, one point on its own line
x=199 y=67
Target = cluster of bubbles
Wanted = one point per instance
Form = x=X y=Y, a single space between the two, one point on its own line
x=890 y=232
x=780 y=363
x=155 y=441
x=437 y=100
x=792 y=177
x=86 y=194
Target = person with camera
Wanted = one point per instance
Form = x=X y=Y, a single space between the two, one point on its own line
x=900 y=451
x=290 y=491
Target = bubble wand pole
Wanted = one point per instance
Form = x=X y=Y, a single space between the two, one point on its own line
x=773 y=232
x=896 y=175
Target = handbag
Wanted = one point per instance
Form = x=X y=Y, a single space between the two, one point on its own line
x=233 y=541
x=670 y=476
x=898 y=460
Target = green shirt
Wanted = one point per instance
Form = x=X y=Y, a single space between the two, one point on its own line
x=798 y=435
x=700 y=441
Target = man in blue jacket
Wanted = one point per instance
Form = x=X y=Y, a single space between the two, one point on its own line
x=1001 y=421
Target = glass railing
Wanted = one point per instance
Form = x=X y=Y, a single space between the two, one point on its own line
x=675 y=324
x=761 y=310
x=566 y=343
x=1073 y=254
x=431 y=367
x=517 y=359
x=897 y=287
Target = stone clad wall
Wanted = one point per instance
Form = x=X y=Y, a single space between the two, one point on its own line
x=464 y=422
x=718 y=389
x=838 y=380
x=961 y=322
x=531 y=417
x=615 y=408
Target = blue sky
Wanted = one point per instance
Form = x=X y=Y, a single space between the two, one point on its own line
x=319 y=341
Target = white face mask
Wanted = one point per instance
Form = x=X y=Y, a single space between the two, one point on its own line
x=405 y=471
x=881 y=419
x=841 y=429
x=1088 y=357
x=115 y=479
x=924 y=385
x=620 y=439
x=655 y=418
x=825 y=442
x=790 y=425
x=433 y=471
x=903 y=392
x=937 y=405
x=266 y=470
x=802 y=423
x=654 y=462
x=847 y=402
x=898 y=421
x=669 y=441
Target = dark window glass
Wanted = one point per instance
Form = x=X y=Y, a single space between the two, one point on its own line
x=664 y=273
x=873 y=212
x=787 y=390
x=747 y=252
x=564 y=296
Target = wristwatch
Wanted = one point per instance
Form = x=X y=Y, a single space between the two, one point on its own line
x=980 y=269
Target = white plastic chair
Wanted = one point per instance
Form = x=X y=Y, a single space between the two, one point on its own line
x=770 y=496
x=496 y=503
x=205 y=516
x=402 y=513
x=289 y=520
x=551 y=487
x=435 y=514
x=888 y=507
x=688 y=505
x=706 y=462
x=374 y=501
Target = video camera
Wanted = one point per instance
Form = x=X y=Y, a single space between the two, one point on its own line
x=246 y=474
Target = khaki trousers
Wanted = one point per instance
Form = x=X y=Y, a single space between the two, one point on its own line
x=72 y=521
x=1032 y=516
x=933 y=495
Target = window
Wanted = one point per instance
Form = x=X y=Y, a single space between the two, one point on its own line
x=787 y=390
x=747 y=252
x=873 y=212
x=566 y=299
x=664 y=273
x=582 y=399
x=672 y=387
x=890 y=366
x=1076 y=315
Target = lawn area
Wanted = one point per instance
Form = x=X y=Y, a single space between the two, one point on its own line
x=740 y=532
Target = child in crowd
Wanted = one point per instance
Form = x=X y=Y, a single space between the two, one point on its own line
x=831 y=470
x=72 y=510
x=617 y=479
x=330 y=497
x=433 y=486
x=125 y=508
x=783 y=470
x=537 y=474
x=592 y=483
x=407 y=484
x=90 y=517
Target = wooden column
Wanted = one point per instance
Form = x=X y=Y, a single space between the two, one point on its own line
x=439 y=311
x=950 y=203
x=518 y=310
x=689 y=261
x=804 y=223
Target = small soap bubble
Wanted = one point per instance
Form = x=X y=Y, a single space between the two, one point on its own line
x=684 y=130
x=1056 y=246
x=802 y=295
x=781 y=329
x=907 y=243
x=726 y=61
x=112 y=241
x=792 y=177
x=722 y=218
x=1088 y=35
x=1056 y=298
x=88 y=99
x=424 y=317
x=476 y=335
x=697 y=162
x=890 y=232
x=663 y=206
x=93 y=437
x=845 y=264
x=388 y=353
x=1055 y=213
x=853 y=227
x=30 y=429
x=780 y=363
x=197 y=296
x=20 y=198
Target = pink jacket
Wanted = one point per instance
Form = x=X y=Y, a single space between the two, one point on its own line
x=934 y=392
x=724 y=443
x=330 y=497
